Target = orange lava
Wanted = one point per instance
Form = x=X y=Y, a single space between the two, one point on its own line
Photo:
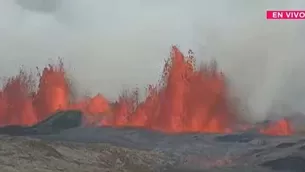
x=186 y=99
x=281 y=127
x=53 y=92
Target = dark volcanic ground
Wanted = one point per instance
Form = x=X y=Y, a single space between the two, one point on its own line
x=135 y=150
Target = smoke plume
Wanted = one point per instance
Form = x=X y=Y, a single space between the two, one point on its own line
x=110 y=44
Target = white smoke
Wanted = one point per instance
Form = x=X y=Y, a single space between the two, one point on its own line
x=110 y=44
x=263 y=59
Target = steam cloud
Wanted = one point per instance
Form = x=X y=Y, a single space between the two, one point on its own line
x=107 y=44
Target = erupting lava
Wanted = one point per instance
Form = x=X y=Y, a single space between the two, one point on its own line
x=185 y=100
x=280 y=127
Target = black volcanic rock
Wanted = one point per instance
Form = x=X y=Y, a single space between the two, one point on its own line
x=56 y=123
x=240 y=137
x=285 y=145
x=289 y=163
x=13 y=130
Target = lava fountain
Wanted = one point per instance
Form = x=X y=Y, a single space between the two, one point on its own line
x=186 y=99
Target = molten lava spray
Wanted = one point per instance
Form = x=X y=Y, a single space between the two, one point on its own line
x=53 y=92
x=280 y=127
x=186 y=99
x=104 y=41
x=16 y=101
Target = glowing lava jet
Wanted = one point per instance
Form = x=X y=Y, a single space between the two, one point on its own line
x=186 y=99
x=281 y=127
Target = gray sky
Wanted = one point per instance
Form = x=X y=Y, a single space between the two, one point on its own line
x=111 y=44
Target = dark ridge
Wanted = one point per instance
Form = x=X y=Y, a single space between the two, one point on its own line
x=58 y=122
x=301 y=141
x=302 y=148
x=240 y=138
x=62 y=120
x=13 y=130
x=285 y=145
x=289 y=163
x=255 y=152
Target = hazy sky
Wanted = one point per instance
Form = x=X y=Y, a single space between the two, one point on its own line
x=111 y=44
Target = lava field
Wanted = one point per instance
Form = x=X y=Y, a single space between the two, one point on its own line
x=187 y=121
x=52 y=146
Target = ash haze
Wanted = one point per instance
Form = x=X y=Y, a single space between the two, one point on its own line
x=111 y=44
